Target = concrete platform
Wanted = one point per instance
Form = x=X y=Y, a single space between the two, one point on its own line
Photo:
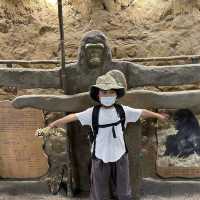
x=151 y=190
x=168 y=190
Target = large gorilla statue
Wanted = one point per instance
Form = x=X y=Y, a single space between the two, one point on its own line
x=94 y=59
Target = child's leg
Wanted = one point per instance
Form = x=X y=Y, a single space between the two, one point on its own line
x=123 y=187
x=100 y=175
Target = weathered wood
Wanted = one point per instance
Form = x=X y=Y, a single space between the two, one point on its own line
x=30 y=78
x=29 y=62
x=166 y=100
x=163 y=75
x=64 y=86
x=137 y=75
x=170 y=58
x=134 y=98
x=133 y=141
x=62 y=46
x=54 y=103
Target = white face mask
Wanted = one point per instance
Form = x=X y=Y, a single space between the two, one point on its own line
x=108 y=101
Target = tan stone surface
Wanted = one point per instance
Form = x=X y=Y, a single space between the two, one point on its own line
x=20 y=150
x=141 y=28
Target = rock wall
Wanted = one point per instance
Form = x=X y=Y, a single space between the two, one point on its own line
x=142 y=28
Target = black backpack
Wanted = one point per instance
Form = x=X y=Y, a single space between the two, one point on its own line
x=96 y=126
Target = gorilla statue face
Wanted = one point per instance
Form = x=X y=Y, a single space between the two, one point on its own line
x=185 y=118
x=94 y=51
x=94 y=54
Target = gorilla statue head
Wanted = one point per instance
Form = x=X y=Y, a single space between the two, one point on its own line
x=187 y=139
x=94 y=51
x=185 y=119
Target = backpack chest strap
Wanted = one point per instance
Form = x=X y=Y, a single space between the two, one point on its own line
x=111 y=125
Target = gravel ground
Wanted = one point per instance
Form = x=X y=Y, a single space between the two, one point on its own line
x=151 y=190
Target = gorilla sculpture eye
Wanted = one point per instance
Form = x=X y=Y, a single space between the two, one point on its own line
x=97 y=45
x=187 y=139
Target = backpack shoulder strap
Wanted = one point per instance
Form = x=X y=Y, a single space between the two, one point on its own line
x=95 y=118
x=121 y=114
x=95 y=127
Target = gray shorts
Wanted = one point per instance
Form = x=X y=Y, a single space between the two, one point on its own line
x=115 y=174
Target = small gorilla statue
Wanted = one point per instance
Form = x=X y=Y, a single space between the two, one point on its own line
x=187 y=139
x=55 y=148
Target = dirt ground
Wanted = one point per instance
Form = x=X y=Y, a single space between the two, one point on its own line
x=151 y=190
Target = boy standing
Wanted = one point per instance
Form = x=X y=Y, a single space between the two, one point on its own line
x=108 y=121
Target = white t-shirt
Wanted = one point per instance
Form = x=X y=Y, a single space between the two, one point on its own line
x=108 y=148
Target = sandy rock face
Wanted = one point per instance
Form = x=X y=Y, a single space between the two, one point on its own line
x=135 y=28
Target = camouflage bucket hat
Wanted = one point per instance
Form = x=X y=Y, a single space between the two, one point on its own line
x=113 y=79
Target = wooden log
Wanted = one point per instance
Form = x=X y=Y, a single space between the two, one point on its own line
x=64 y=86
x=29 y=62
x=163 y=75
x=162 y=100
x=170 y=58
x=30 y=78
x=135 y=98
x=133 y=140
x=137 y=76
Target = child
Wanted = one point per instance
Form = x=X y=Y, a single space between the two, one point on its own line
x=109 y=152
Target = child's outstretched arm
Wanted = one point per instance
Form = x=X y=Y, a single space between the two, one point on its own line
x=149 y=114
x=64 y=120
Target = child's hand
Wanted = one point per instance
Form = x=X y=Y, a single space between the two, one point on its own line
x=163 y=117
x=52 y=125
